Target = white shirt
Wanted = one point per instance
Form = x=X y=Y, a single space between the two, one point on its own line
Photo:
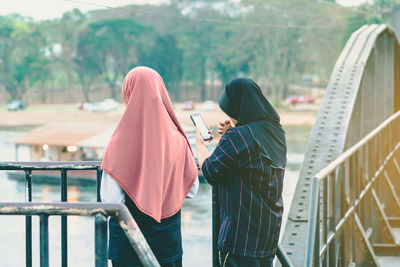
x=111 y=191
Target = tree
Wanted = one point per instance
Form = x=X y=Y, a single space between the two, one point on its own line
x=6 y=49
x=86 y=63
x=66 y=33
x=166 y=58
x=22 y=62
x=117 y=43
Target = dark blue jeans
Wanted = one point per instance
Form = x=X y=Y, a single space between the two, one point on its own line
x=227 y=259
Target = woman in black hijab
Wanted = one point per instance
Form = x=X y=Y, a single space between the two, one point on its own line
x=247 y=167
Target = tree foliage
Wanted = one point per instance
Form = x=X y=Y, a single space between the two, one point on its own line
x=192 y=44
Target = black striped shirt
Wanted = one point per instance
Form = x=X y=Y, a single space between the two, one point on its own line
x=250 y=194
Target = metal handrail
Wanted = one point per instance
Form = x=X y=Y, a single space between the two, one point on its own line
x=49 y=165
x=388 y=131
x=342 y=158
x=100 y=211
x=63 y=167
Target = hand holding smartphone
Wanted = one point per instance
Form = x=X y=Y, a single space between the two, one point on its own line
x=201 y=125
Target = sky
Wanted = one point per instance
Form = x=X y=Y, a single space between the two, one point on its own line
x=48 y=9
x=351 y=2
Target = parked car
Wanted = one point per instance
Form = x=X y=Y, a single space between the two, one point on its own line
x=188 y=105
x=299 y=100
x=15 y=105
x=107 y=104
x=208 y=105
x=307 y=99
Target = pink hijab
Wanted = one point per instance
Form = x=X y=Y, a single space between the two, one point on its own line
x=149 y=155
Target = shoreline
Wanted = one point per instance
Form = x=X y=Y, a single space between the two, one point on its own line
x=39 y=115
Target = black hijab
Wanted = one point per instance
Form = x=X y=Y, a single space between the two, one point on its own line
x=243 y=101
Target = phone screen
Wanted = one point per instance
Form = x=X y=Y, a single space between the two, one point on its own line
x=201 y=125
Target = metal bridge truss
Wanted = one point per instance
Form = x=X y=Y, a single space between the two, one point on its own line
x=363 y=91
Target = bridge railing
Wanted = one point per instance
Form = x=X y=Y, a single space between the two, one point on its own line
x=62 y=209
x=345 y=210
x=101 y=211
x=63 y=167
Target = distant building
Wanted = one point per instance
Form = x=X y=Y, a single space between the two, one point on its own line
x=65 y=142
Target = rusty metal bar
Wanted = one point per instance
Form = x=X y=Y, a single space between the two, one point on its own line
x=64 y=223
x=324 y=218
x=100 y=240
x=28 y=219
x=44 y=240
x=99 y=173
x=50 y=165
x=312 y=237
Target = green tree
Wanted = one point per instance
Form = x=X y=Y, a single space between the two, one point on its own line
x=23 y=62
x=86 y=63
x=117 y=44
x=166 y=58
x=66 y=33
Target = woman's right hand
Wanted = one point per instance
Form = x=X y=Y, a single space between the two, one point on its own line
x=223 y=126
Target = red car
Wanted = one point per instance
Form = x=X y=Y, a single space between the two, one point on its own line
x=299 y=100
x=188 y=105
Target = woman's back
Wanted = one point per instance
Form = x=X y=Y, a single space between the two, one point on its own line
x=249 y=192
x=164 y=238
x=150 y=160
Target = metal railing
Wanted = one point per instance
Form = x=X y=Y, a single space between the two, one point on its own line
x=101 y=211
x=30 y=167
x=347 y=211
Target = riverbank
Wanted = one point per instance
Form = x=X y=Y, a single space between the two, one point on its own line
x=37 y=115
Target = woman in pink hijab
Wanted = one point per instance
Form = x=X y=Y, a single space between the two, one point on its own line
x=149 y=166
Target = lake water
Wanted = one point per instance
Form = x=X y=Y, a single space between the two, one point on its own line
x=196 y=215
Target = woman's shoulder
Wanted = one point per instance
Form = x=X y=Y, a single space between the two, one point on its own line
x=239 y=135
x=238 y=130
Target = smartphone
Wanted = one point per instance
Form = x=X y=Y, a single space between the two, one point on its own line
x=201 y=125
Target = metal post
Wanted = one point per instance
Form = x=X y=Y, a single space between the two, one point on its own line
x=28 y=219
x=64 y=223
x=99 y=173
x=100 y=240
x=44 y=240
x=215 y=226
